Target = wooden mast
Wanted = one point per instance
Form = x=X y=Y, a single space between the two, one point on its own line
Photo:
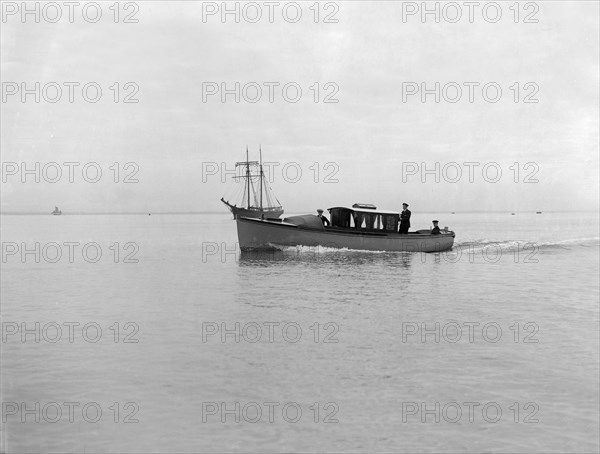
x=261 y=177
x=248 y=175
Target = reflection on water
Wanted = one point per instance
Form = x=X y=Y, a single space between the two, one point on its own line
x=307 y=255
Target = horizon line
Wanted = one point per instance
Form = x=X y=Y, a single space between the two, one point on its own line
x=310 y=211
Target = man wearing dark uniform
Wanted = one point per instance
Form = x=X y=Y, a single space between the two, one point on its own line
x=324 y=220
x=435 y=230
x=404 y=219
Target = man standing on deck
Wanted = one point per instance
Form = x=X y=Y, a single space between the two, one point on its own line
x=404 y=219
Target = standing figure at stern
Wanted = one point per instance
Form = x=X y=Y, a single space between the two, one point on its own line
x=404 y=219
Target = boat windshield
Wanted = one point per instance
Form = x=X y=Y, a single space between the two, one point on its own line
x=368 y=220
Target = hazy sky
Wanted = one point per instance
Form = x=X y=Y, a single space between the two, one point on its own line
x=372 y=136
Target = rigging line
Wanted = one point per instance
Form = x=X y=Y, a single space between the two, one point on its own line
x=251 y=185
x=272 y=198
x=275 y=197
x=238 y=196
x=231 y=192
x=269 y=195
x=236 y=186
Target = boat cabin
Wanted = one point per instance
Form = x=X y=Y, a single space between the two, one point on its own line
x=364 y=217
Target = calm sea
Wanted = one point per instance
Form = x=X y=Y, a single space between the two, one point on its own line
x=137 y=333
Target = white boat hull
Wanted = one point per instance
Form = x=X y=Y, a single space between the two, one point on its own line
x=259 y=234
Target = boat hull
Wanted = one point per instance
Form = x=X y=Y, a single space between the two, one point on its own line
x=256 y=234
x=255 y=213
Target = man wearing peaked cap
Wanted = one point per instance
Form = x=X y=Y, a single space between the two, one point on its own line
x=404 y=219
x=435 y=230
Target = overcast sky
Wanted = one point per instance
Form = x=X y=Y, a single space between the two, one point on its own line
x=371 y=135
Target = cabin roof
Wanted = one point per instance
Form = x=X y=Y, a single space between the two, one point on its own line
x=364 y=210
x=369 y=206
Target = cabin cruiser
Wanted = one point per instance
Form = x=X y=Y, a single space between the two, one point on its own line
x=360 y=227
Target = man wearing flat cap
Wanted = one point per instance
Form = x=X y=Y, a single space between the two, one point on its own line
x=324 y=220
x=435 y=230
x=404 y=219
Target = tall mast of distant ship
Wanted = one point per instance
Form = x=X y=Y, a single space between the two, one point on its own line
x=248 y=175
x=261 y=177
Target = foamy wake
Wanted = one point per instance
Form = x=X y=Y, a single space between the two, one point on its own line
x=472 y=246
x=513 y=245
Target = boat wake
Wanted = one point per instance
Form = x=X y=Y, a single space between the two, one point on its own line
x=472 y=246
x=328 y=250
x=479 y=245
x=490 y=249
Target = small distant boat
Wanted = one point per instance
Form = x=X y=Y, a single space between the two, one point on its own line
x=56 y=212
x=255 y=202
x=512 y=214
x=538 y=212
x=360 y=227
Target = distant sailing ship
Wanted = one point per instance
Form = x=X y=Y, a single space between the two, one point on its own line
x=256 y=202
x=56 y=212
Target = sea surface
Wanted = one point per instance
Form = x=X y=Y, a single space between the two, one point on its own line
x=154 y=334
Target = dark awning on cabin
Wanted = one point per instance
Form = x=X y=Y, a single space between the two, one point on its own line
x=305 y=220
